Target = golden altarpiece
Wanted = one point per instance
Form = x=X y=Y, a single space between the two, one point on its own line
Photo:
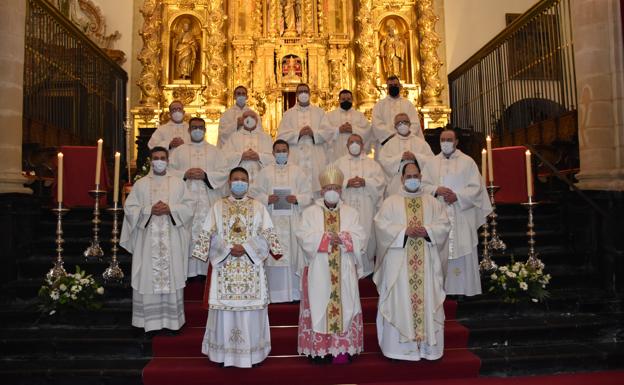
x=198 y=51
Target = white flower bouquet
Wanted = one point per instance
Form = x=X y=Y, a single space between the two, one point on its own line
x=517 y=282
x=72 y=292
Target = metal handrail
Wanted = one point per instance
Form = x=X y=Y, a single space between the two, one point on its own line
x=563 y=178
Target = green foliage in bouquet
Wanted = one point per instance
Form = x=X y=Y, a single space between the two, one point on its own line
x=144 y=170
x=73 y=292
x=518 y=282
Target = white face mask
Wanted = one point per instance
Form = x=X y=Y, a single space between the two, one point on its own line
x=332 y=197
x=241 y=100
x=159 y=166
x=197 y=135
x=403 y=129
x=447 y=147
x=303 y=97
x=249 y=122
x=177 y=116
x=354 y=149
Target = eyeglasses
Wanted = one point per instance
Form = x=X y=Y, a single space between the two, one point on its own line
x=176 y=109
x=406 y=122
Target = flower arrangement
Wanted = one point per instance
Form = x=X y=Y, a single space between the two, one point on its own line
x=74 y=291
x=144 y=170
x=517 y=281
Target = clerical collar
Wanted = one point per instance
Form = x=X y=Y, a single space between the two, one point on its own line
x=247 y=132
x=409 y=194
x=235 y=199
x=154 y=175
x=304 y=108
x=453 y=155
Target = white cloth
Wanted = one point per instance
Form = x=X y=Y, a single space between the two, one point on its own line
x=461 y=174
x=384 y=113
x=207 y=157
x=158 y=311
x=165 y=133
x=393 y=283
x=158 y=244
x=284 y=284
x=390 y=156
x=309 y=234
x=238 y=284
x=308 y=153
x=243 y=140
x=228 y=123
x=365 y=200
x=337 y=144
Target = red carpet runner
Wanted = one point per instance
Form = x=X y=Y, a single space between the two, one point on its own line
x=178 y=360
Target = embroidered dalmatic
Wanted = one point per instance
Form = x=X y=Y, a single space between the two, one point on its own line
x=243 y=140
x=159 y=246
x=284 y=283
x=205 y=193
x=409 y=279
x=165 y=133
x=307 y=152
x=460 y=173
x=365 y=199
x=330 y=314
x=390 y=158
x=337 y=144
x=237 y=330
x=228 y=123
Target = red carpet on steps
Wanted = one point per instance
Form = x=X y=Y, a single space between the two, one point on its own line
x=178 y=359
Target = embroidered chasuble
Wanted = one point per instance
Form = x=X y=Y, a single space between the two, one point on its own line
x=415 y=249
x=334 y=307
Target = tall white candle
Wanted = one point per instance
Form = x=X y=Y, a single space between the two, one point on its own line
x=484 y=165
x=490 y=159
x=127 y=109
x=59 y=178
x=529 y=173
x=116 y=184
x=98 y=161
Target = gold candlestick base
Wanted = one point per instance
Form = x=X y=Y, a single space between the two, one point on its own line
x=57 y=271
x=94 y=251
x=114 y=274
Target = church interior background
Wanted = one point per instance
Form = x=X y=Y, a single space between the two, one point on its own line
x=544 y=75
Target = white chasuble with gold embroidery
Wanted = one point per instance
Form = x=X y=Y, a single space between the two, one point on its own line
x=408 y=275
x=237 y=331
x=204 y=192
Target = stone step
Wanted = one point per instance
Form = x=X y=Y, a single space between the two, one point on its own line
x=38 y=265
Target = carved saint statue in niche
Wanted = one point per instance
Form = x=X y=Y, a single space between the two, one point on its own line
x=186 y=47
x=393 y=51
x=290 y=18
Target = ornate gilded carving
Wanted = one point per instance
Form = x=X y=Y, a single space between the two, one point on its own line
x=308 y=18
x=367 y=87
x=184 y=94
x=215 y=55
x=257 y=17
x=430 y=62
x=149 y=81
x=290 y=18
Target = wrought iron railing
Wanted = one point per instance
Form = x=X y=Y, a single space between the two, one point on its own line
x=523 y=76
x=73 y=92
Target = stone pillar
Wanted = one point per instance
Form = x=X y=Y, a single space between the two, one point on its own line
x=598 y=55
x=12 y=30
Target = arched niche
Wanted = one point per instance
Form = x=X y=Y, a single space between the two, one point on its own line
x=185 y=52
x=394 y=48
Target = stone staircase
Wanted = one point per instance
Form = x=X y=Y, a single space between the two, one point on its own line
x=579 y=327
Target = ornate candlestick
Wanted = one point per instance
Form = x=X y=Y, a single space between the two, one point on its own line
x=57 y=271
x=496 y=243
x=95 y=250
x=533 y=261
x=114 y=274
x=486 y=264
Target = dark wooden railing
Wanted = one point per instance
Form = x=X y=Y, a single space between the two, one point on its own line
x=523 y=77
x=73 y=92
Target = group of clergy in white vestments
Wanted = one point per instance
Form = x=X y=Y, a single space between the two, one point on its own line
x=303 y=219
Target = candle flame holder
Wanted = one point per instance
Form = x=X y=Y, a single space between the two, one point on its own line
x=496 y=243
x=95 y=250
x=57 y=271
x=114 y=274
x=533 y=262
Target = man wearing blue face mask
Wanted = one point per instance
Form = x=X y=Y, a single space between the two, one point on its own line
x=174 y=133
x=454 y=179
x=155 y=231
x=237 y=237
x=202 y=167
x=232 y=118
x=286 y=190
x=411 y=227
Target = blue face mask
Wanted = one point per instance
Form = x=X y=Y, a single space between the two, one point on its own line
x=412 y=184
x=241 y=100
x=239 y=187
x=281 y=157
